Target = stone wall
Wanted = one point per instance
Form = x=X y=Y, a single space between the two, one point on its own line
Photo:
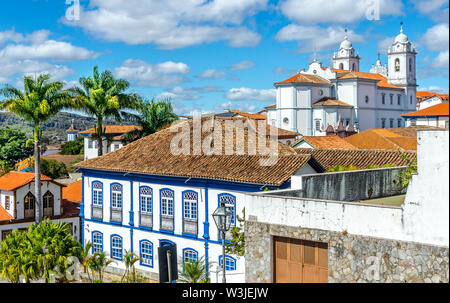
x=351 y=258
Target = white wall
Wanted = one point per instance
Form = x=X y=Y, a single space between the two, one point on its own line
x=46 y=186
x=3 y=195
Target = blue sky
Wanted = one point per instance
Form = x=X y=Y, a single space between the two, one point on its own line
x=212 y=55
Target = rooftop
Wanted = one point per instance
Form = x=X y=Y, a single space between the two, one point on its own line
x=385 y=139
x=383 y=82
x=72 y=192
x=15 y=179
x=113 y=129
x=437 y=110
x=305 y=78
x=4 y=215
x=325 y=142
x=331 y=102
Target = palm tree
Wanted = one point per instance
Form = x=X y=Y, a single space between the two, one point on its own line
x=152 y=116
x=39 y=101
x=130 y=274
x=85 y=258
x=98 y=263
x=194 y=271
x=102 y=96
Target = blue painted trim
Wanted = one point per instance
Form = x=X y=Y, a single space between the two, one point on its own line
x=110 y=203
x=182 y=197
x=92 y=239
x=191 y=249
x=165 y=241
x=207 y=259
x=111 y=248
x=173 y=211
x=206 y=223
x=131 y=240
x=140 y=206
x=230 y=257
x=82 y=211
x=140 y=253
x=131 y=205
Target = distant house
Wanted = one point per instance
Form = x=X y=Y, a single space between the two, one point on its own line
x=111 y=141
x=18 y=203
x=385 y=139
x=322 y=142
x=427 y=99
x=72 y=133
x=436 y=116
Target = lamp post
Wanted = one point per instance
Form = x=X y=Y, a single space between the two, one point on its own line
x=45 y=250
x=222 y=217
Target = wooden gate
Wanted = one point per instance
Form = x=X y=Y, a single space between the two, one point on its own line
x=300 y=261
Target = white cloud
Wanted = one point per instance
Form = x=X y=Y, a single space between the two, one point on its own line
x=441 y=61
x=283 y=70
x=146 y=74
x=211 y=74
x=433 y=88
x=245 y=94
x=171 y=24
x=433 y=8
x=242 y=65
x=244 y=106
x=436 y=37
x=336 y=11
x=316 y=38
x=191 y=93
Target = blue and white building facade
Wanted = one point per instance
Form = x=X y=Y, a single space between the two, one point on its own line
x=139 y=213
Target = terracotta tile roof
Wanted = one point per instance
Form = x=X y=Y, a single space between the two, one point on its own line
x=70 y=209
x=4 y=215
x=327 y=101
x=437 y=110
x=385 y=139
x=325 y=142
x=152 y=155
x=72 y=129
x=305 y=78
x=15 y=179
x=383 y=82
x=72 y=192
x=248 y=115
x=271 y=106
x=329 y=158
x=114 y=129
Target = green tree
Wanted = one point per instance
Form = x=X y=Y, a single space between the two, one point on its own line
x=54 y=169
x=98 y=263
x=22 y=253
x=193 y=271
x=131 y=275
x=411 y=169
x=338 y=168
x=14 y=146
x=236 y=245
x=102 y=96
x=40 y=100
x=73 y=147
x=152 y=116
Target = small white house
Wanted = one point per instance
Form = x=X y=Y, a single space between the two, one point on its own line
x=431 y=101
x=434 y=116
x=112 y=140
x=18 y=203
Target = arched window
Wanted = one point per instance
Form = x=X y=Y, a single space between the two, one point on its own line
x=116 y=247
x=410 y=64
x=29 y=205
x=167 y=202
x=48 y=203
x=146 y=200
x=146 y=253
x=397 y=65
x=116 y=196
x=190 y=255
x=230 y=263
x=353 y=67
x=341 y=65
x=229 y=201
x=97 y=242
x=97 y=193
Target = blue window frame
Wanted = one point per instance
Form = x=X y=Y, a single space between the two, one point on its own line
x=146 y=248
x=97 y=193
x=116 y=247
x=97 y=242
x=190 y=255
x=167 y=197
x=230 y=263
x=116 y=195
x=229 y=201
x=146 y=199
x=190 y=205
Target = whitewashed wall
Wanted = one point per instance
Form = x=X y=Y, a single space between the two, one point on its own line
x=3 y=195
x=46 y=186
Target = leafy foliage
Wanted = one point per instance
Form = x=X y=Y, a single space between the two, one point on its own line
x=54 y=169
x=73 y=147
x=411 y=169
x=21 y=253
x=13 y=146
x=342 y=168
x=131 y=275
x=193 y=271
x=152 y=116
x=236 y=245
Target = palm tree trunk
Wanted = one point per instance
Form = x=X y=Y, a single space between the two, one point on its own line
x=100 y=136
x=37 y=176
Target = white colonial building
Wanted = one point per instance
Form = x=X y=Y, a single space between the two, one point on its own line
x=143 y=196
x=18 y=203
x=314 y=99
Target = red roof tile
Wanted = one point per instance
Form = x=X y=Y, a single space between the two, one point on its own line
x=72 y=192
x=305 y=78
x=15 y=179
x=114 y=129
x=437 y=110
x=326 y=142
x=383 y=82
x=385 y=139
x=4 y=215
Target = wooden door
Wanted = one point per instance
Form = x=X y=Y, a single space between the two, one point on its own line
x=299 y=261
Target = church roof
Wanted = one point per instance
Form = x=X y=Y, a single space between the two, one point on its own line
x=385 y=139
x=383 y=82
x=305 y=78
x=152 y=155
x=328 y=101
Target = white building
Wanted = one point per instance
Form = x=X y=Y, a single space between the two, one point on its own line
x=18 y=203
x=434 y=116
x=143 y=196
x=319 y=97
x=112 y=140
x=432 y=100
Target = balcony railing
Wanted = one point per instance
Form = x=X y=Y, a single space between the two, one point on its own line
x=116 y=215
x=146 y=220
x=97 y=212
x=190 y=227
x=167 y=223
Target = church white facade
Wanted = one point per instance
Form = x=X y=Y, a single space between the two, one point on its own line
x=319 y=97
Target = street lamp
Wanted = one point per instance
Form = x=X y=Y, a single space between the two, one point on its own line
x=222 y=217
x=45 y=250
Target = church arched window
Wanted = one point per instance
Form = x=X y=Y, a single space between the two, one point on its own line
x=410 y=64
x=353 y=67
x=341 y=66
x=397 y=65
